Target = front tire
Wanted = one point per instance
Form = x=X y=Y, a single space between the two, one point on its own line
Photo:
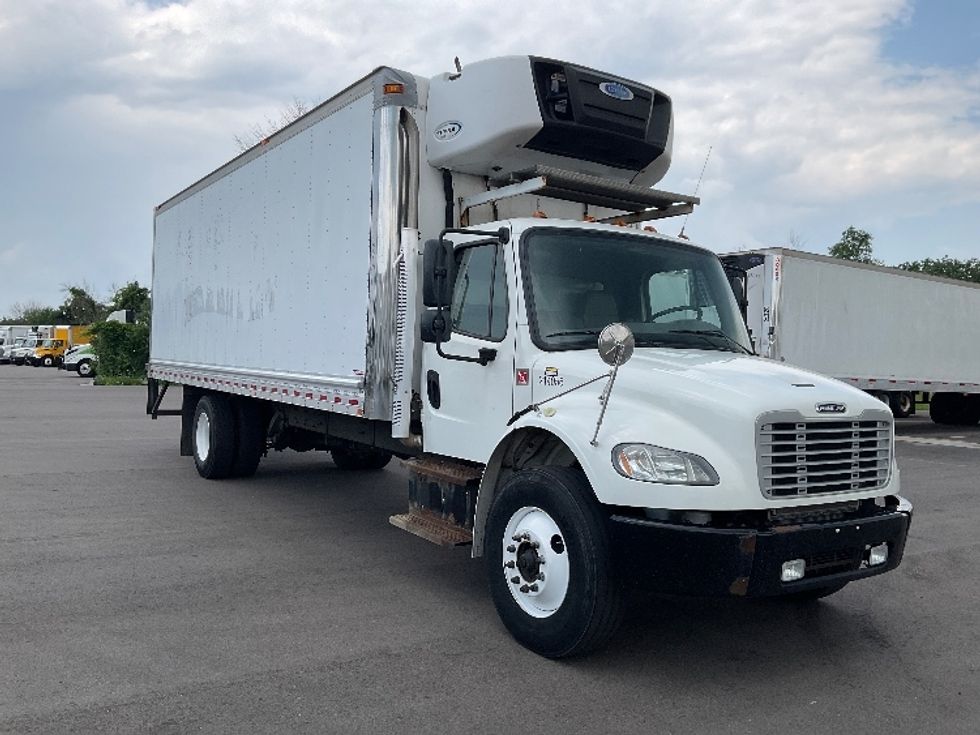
x=214 y=437
x=85 y=369
x=548 y=563
x=47 y=361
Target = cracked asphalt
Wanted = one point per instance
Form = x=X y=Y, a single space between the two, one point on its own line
x=136 y=597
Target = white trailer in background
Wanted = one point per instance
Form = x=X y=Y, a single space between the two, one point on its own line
x=422 y=268
x=887 y=331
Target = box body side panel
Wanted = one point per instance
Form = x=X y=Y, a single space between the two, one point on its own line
x=266 y=268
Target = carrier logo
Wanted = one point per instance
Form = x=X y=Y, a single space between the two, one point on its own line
x=831 y=408
x=448 y=130
x=616 y=90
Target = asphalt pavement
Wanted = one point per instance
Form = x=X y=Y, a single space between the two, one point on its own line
x=136 y=597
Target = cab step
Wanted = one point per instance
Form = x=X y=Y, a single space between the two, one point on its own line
x=433 y=527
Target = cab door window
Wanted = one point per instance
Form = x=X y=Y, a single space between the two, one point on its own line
x=479 y=307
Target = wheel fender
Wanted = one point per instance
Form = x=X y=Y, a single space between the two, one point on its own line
x=491 y=474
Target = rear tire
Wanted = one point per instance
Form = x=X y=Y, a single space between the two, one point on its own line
x=902 y=404
x=360 y=458
x=213 y=437
x=252 y=431
x=577 y=604
x=954 y=409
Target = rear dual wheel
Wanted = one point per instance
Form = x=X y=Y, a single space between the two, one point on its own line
x=228 y=437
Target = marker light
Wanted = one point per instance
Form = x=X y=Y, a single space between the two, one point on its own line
x=394 y=88
x=793 y=570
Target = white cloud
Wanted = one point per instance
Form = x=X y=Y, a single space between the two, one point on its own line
x=811 y=128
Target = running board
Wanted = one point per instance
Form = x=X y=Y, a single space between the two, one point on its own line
x=432 y=527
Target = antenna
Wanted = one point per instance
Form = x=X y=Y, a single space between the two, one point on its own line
x=696 y=189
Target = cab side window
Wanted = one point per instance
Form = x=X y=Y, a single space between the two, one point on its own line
x=479 y=307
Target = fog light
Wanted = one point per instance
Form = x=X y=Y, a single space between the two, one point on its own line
x=793 y=570
x=877 y=555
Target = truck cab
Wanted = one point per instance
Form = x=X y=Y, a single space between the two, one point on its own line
x=716 y=471
x=49 y=353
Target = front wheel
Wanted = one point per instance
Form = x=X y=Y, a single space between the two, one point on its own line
x=47 y=361
x=548 y=563
x=85 y=368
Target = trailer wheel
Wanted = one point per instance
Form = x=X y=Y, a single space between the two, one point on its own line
x=954 y=409
x=548 y=563
x=251 y=430
x=214 y=437
x=360 y=458
x=901 y=404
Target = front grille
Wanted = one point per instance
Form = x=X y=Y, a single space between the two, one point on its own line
x=823 y=456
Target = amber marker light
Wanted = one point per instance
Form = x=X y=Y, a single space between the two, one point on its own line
x=394 y=88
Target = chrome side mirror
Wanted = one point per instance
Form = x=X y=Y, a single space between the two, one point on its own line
x=616 y=344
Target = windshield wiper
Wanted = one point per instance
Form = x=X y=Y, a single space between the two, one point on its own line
x=574 y=333
x=706 y=333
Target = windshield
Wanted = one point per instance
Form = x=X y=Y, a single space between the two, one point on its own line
x=670 y=295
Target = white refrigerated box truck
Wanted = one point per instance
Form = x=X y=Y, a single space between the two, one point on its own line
x=887 y=331
x=459 y=271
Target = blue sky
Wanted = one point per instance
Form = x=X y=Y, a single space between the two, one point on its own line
x=820 y=114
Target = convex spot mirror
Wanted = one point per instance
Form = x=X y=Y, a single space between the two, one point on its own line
x=616 y=344
x=438 y=273
x=434 y=326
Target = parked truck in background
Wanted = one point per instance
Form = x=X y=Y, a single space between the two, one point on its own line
x=887 y=331
x=24 y=347
x=459 y=271
x=8 y=337
x=50 y=352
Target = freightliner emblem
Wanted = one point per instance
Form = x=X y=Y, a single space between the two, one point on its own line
x=831 y=408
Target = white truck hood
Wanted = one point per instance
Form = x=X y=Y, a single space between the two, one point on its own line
x=703 y=402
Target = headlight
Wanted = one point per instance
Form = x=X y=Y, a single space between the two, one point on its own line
x=658 y=464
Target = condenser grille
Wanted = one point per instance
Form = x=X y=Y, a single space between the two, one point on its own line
x=817 y=457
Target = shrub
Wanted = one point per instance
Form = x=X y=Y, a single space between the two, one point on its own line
x=123 y=350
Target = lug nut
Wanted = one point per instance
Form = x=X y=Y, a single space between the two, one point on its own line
x=541 y=576
x=525 y=588
x=510 y=565
x=533 y=588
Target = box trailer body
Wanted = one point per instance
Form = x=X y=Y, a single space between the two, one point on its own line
x=421 y=267
x=884 y=330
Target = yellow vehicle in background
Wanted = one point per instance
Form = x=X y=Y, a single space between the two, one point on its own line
x=51 y=351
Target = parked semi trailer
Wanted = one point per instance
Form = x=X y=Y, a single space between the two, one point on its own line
x=459 y=271
x=887 y=331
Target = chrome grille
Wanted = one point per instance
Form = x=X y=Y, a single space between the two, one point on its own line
x=822 y=456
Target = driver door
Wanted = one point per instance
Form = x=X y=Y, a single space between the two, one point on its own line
x=466 y=405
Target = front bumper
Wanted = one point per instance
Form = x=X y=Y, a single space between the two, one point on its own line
x=747 y=562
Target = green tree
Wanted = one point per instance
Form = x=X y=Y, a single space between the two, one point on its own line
x=33 y=313
x=854 y=244
x=963 y=270
x=132 y=297
x=81 y=307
